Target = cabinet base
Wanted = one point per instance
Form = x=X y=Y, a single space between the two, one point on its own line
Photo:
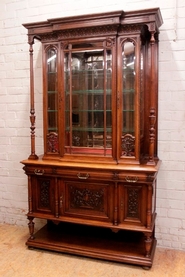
x=96 y=242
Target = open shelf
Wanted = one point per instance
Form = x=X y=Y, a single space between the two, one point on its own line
x=96 y=242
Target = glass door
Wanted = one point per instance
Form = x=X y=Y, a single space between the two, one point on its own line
x=51 y=101
x=130 y=98
x=88 y=99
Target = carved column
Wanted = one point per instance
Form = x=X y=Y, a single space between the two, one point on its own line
x=152 y=115
x=32 y=156
x=148 y=244
x=30 y=203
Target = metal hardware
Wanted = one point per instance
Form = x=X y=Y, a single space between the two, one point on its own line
x=131 y=179
x=39 y=172
x=83 y=177
x=61 y=201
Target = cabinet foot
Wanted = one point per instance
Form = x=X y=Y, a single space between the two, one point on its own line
x=146 y=267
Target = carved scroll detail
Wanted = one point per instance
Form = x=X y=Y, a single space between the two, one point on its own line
x=52 y=142
x=128 y=145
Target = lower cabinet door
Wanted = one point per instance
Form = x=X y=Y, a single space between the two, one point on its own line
x=43 y=194
x=133 y=201
x=86 y=200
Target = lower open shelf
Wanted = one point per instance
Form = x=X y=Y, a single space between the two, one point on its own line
x=96 y=242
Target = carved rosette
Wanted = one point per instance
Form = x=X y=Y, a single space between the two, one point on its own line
x=52 y=142
x=84 y=198
x=128 y=145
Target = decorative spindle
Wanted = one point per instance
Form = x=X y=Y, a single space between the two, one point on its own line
x=152 y=119
x=32 y=156
x=152 y=116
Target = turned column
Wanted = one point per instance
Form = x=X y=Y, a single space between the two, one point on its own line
x=153 y=104
x=32 y=156
x=148 y=244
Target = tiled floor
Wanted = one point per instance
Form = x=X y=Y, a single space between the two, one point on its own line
x=18 y=261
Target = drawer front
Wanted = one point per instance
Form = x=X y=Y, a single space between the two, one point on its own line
x=72 y=173
x=93 y=174
x=87 y=200
x=86 y=174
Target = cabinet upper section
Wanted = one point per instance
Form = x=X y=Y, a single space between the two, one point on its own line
x=99 y=86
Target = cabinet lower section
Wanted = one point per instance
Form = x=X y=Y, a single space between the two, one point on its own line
x=104 y=211
x=122 y=246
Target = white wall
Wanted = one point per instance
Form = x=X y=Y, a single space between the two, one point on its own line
x=14 y=105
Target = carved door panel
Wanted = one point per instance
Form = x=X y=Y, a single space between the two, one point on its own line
x=86 y=200
x=133 y=204
x=43 y=194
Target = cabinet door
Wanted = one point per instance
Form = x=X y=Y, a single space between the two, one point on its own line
x=130 y=98
x=51 y=98
x=43 y=194
x=86 y=200
x=133 y=204
x=88 y=92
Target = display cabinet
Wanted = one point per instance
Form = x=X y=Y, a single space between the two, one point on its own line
x=95 y=183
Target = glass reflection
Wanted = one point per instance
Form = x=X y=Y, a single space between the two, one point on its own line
x=128 y=56
x=52 y=90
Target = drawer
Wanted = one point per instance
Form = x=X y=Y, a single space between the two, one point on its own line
x=70 y=173
x=136 y=177
x=85 y=174
x=82 y=173
x=39 y=170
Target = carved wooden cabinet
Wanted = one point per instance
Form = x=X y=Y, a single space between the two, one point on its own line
x=95 y=183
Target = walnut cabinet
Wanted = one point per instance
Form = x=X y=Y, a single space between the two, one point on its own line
x=95 y=183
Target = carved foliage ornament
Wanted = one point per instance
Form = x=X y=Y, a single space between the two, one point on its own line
x=52 y=142
x=128 y=145
x=87 y=198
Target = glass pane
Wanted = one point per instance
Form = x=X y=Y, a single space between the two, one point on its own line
x=128 y=114
x=52 y=90
x=88 y=114
x=142 y=96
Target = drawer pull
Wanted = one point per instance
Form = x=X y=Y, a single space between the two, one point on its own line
x=130 y=179
x=84 y=177
x=39 y=172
